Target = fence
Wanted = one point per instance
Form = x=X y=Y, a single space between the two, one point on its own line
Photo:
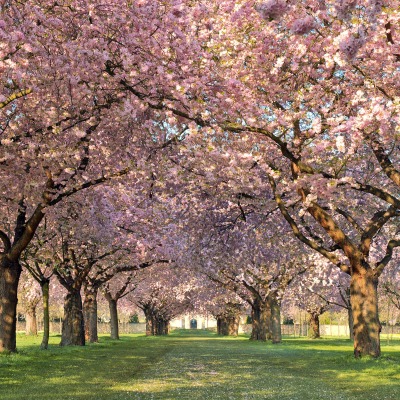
x=295 y=330
x=102 y=327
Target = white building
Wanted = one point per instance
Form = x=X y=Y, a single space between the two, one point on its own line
x=189 y=321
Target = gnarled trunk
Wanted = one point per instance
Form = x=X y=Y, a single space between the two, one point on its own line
x=314 y=332
x=276 y=332
x=73 y=332
x=364 y=304
x=31 y=320
x=9 y=279
x=90 y=314
x=114 y=329
x=46 y=317
x=260 y=317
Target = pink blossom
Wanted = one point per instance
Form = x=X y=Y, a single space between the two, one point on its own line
x=350 y=45
x=272 y=9
x=343 y=8
x=302 y=26
x=374 y=8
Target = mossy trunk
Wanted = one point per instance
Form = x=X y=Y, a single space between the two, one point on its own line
x=9 y=278
x=364 y=304
x=73 y=331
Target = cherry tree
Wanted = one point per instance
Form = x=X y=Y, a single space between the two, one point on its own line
x=31 y=296
x=298 y=78
x=298 y=87
x=325 y=291
x=64 y=104
x=163 y=293
x=114 y=290
x=38 y=261
x=48 y=120
x=258 y=270
x=224 y=305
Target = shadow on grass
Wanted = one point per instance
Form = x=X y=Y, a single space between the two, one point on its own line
x=198 y=365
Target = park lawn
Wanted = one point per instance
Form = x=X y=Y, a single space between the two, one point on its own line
x=198 y=365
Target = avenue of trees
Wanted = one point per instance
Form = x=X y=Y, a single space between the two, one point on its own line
x=200 y=155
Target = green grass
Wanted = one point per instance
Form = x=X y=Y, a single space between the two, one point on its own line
x=198 y=366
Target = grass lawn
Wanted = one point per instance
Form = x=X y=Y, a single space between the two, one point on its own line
x=185 y=365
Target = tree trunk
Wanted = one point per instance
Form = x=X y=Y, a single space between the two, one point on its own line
x=149 y=326
x=9 y=279
x=46 y=318
x=260 y=316
x=114 y=329
x=73 y=332
x=314 y=332
x=162 y=326
x=233 y=325
x=276 y=332
x=364 y=303
x=90 y=315
x=228 y=326
x=351 y=323
x=31 y=320
x=222 y=326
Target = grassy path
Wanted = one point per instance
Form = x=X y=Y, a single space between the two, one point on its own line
x=202 y=366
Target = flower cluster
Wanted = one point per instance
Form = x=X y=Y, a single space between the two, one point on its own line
x=352 y=42
x=343 y=8
x=302 y=26
x=272 y=9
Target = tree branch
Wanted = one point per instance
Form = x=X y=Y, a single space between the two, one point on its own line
x=15 y=96
x=350 y=219
x=310 y=243
x=377 y=222
x=380 y=266
x=85 y=185
x=6 y=242
x=384 y=161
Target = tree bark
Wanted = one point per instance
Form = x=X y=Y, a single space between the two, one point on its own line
x=114 y=329
x=364 y=304
x=90 y=315
x=46 y=317
x=73 y=332
x=149 y=325
x=162 y=326
x=31 y=320
x=233 y=325
x=260 y=316
x=276 y=332
x=351 y=323
x=314 y=332
x=228 y=325
x=10 y=272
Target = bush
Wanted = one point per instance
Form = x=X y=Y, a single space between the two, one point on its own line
x=134 y=319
